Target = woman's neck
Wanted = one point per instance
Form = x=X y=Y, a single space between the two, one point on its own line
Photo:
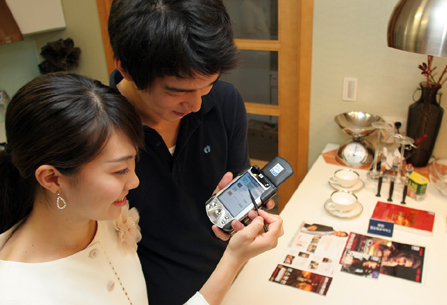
x=46 y=235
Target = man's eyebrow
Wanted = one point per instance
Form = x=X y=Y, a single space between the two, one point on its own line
x=174 y=89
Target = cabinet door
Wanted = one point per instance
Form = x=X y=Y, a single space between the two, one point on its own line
x=103 y=13
x=275 y=39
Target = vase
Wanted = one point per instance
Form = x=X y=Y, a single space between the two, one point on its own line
x=424 y=117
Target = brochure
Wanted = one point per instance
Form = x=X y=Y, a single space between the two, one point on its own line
x=397 y=259
x=303 y=280
x=359 y=263
x=313 y=253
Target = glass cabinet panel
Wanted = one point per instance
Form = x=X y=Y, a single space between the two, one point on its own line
x=257 y=77
x=262 y=137
x=254 y=19
x=257 y=81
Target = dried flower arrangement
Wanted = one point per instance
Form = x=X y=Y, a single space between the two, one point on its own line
x=427 y=70
x=60 y=55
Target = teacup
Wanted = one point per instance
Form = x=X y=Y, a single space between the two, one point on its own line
x=345 y=177
x=343 y=200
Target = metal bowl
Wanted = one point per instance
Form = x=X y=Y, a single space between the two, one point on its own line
x=356 y=123
x=437 y=171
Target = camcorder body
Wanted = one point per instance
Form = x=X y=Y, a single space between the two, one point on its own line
x=234 y=201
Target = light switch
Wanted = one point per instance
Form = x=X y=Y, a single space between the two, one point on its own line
x=350 y=89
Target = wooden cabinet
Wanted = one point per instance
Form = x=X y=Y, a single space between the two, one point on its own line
x=37 y=16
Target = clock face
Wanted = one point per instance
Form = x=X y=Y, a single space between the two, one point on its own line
x=355 y=152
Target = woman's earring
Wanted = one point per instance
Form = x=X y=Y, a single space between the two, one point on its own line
x=59 y=199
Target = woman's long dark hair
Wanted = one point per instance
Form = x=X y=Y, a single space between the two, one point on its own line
x=62 y=120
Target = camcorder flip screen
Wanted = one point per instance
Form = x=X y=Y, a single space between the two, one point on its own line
x=236 y=198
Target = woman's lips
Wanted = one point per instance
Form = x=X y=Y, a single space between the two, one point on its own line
x=121 y=202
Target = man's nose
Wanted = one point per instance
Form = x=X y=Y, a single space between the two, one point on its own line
x=194 y=102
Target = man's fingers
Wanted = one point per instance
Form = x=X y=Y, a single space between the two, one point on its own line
x=270 y=204
x=224 y=181
x=220 y=234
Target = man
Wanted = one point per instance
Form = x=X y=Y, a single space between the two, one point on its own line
x=169 y=56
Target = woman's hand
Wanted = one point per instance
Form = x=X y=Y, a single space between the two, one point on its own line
x=248 y=242
x=252 y=240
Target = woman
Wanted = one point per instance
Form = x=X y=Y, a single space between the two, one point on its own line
x=66 y=170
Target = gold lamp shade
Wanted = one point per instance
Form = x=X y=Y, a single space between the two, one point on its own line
x=419 y=26
x=9 y=30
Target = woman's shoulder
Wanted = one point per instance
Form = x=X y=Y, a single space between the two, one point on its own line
x=4 y=238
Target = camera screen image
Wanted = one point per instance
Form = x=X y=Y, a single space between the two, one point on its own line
x=236 y=198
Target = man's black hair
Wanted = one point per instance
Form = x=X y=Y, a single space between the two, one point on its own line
x=182 y=38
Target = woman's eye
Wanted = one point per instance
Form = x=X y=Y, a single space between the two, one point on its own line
x=123 y=172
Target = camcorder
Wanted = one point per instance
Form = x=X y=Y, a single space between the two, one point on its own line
x=235 y=200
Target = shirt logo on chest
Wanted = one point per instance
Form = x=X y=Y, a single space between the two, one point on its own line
x=207 y=149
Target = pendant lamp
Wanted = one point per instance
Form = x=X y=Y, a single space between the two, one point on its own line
x=419 y=26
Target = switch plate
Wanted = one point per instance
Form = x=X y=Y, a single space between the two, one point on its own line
x=350 y=89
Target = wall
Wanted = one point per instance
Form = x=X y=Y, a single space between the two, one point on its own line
x=82 y=21
x=18 y=64
x=349 y=40
x=19 y=60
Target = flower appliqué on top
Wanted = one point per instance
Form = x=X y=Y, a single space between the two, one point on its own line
x=128 y=229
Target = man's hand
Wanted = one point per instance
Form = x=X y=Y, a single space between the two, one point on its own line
x=223 y=182
x=227 y=179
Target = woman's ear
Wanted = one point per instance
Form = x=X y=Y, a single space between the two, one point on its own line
x=48 y=177
x=122 y=71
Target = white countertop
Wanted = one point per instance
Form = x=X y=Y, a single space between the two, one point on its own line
x=252 y=286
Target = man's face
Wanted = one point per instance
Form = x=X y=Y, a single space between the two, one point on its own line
x=170 y=98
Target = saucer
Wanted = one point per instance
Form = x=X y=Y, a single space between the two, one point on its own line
x=356 y=210
x=356 y=187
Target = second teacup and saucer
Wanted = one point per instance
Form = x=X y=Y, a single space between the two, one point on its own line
x=346 y=179
x=343 y=204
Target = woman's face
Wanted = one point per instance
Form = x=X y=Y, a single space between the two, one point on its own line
x=99 y=190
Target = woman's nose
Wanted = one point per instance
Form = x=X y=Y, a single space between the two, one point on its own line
x=134 y=181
